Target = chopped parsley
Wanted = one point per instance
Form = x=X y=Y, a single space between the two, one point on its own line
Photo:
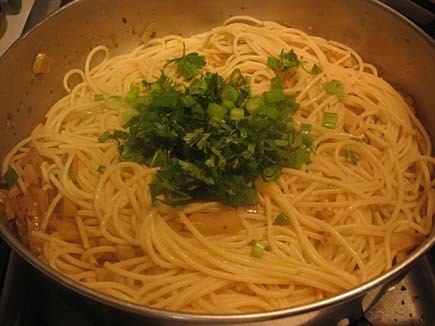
x=350 y=156
x=335 y=87
x=281 y=219
x=315 y=69
x=189 y=65
x=98 y=97
x=211 y=139
x=285 y=61
x=9 y=178
x=101 y=168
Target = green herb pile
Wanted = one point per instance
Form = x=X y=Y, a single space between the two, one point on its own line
x=211 y=139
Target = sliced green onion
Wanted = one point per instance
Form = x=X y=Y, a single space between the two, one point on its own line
x=306 y=137
x=10 y=177
x=132 y=94
x=281 y=219
x=230 y=93
x=297 y=141
x=228 y=104
x=301 y=156
x=258 y=249
x=275 y=82
x=70 y=174
x=273 y=63
x=142 y=100
x=237 y=78
x=350 y=156
x=128 y=114
x=254 y=103
x=237 y=114
x=188 y=101
x=289 y=104
x=98 y=97
x=269 y=111
x=274 y=96
x=217 y=111
x=329 y=120
x=356 y=139
x=198 y=87
x=155 y=86
x=114 y=102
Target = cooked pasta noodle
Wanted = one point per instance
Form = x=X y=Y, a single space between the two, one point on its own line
x=348 y=223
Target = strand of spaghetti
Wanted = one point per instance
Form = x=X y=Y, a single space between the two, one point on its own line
x=287 y=208
x=250 y=262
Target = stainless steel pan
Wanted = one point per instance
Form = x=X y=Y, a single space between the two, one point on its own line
x=402 y=52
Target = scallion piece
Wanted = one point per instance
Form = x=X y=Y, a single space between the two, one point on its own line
x=329 y=120
x=237 y=114
x=254 y=104
x=228 y=104
x=198 y=87
x=281 y=219
x=306 y=137
x=98 y=97
x=128 y=114
x=236 y=77
x=301 y=156
x=187 y=101
x=230 y=93
x=275 y=82
x=132 y=94
x=258 y=249
x=155 y=86
x=274 y=96
x=269 y=111
x=217 y=111
x=114 y=102
x=10 y=177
